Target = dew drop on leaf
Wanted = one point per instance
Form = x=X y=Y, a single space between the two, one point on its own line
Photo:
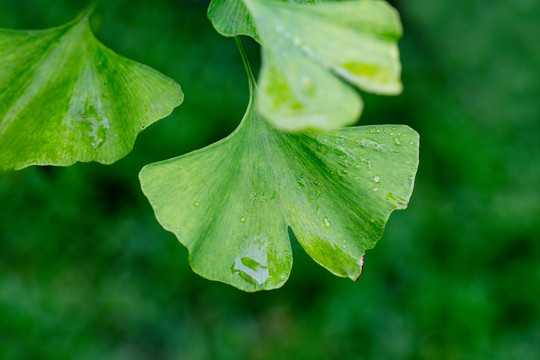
x=326 y=223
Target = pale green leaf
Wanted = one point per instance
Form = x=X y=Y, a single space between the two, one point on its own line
x=232 y=202
x=311 y=52
x=65 y=97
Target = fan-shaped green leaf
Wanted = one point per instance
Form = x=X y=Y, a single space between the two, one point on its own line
x=64 y=97
x=231 y=18
x=310 y=49
x=230 y=203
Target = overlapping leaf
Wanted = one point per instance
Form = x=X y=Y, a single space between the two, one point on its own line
x=312 y=51
x=231 y=18
x=64 y=97
x=231 y=203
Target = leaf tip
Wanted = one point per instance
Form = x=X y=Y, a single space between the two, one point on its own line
x=361 y=263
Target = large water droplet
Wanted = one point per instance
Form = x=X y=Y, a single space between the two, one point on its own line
x=89 y=116
x=252 y=263
x=196 y=204
x=243 y=219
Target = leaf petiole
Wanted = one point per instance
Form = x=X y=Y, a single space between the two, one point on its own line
x=247 y=64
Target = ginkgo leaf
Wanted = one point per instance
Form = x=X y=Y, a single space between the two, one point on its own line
x=232 y=202
x=65 y=97
x=313 y=53
x=231 y=18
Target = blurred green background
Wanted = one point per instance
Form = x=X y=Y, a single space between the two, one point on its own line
x=86 y=272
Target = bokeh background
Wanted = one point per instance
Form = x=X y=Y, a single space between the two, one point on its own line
x=86 y=272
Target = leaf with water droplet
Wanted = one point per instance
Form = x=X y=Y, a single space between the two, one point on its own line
x=56 y=103
x=311 y=49
x=335 y=215
x=313 y=53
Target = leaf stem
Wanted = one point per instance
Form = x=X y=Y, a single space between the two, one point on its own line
x=247 y=64
x=88 y=10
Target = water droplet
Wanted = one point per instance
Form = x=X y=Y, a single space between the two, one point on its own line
x=243 y=219
x=320 y=140
x=397 y=141
x=252 y=263
x=376 y=189
x=377 y=179
x=326 y=223
x=367 y=162
x=196 y=204
x=396 y=202
x=90 y=117
x=370 y=143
